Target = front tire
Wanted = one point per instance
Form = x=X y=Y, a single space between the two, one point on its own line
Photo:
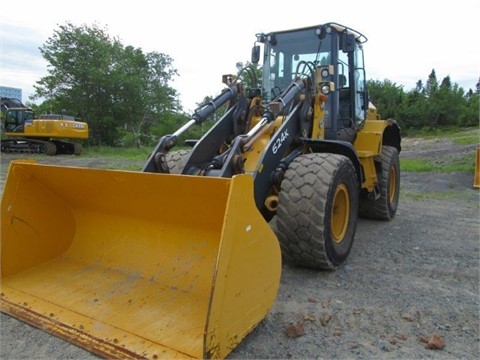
x=317 y=211
x=176 y=160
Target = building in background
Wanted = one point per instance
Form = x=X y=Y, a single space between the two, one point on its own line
x=10 y=92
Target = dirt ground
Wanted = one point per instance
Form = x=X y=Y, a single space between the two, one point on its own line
x=409 y=290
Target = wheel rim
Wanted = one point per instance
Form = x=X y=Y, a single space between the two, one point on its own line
x=340 y=213
x=392 y=185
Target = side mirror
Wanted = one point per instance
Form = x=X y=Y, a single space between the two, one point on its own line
x=255 y=54
x=348 y=43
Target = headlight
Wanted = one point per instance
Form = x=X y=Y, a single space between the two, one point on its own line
x=326 y=87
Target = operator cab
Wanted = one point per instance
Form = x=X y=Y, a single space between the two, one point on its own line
x=15 y=119
x=289 y=55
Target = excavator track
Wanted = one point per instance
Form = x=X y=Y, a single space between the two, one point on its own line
x=35 y=146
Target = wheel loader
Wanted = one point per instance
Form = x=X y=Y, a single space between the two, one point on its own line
x=50 y=134
x=183 y=259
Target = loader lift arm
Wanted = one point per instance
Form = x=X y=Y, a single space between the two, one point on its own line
x=231 y=162
x=157 y=161
x=234 y=93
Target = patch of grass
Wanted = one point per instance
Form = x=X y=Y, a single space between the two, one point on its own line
x=454 y=164
x=467 y=140
x=445 y=195
x=130 y=153
x=444 y=132
x=416 y=165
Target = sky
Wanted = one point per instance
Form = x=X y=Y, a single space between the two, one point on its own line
x=406 y=39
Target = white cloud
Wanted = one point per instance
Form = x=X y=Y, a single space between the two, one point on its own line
x=407 y=39
x=21 y=63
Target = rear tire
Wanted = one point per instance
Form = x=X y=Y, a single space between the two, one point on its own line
x=385 y=207
x=176 y=160
x=317 y=211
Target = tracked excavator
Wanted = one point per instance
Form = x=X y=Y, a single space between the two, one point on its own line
x=183 y=259
x=50 y=134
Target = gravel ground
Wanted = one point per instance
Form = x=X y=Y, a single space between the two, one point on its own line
x=409 y=290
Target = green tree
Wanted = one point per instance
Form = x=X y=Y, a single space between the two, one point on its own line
x=445 y=104
x=411 y=115
x=387 y=96
x=251 y=74
x=432 y=84
x=117 y=89
x=471 y=115
x=430 y=106
x=448 y=103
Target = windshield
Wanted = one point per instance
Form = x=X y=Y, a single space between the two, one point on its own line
x=292 y=55
x=17 y=117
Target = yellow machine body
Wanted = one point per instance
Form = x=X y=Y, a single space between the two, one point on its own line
x=48 y=128
x=476 y=179
x=368 y=145
x=87 y=255
x=179 y=260
x=51 y=134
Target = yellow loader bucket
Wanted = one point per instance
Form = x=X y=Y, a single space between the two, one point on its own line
x=133 y=264
x=476 y=179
